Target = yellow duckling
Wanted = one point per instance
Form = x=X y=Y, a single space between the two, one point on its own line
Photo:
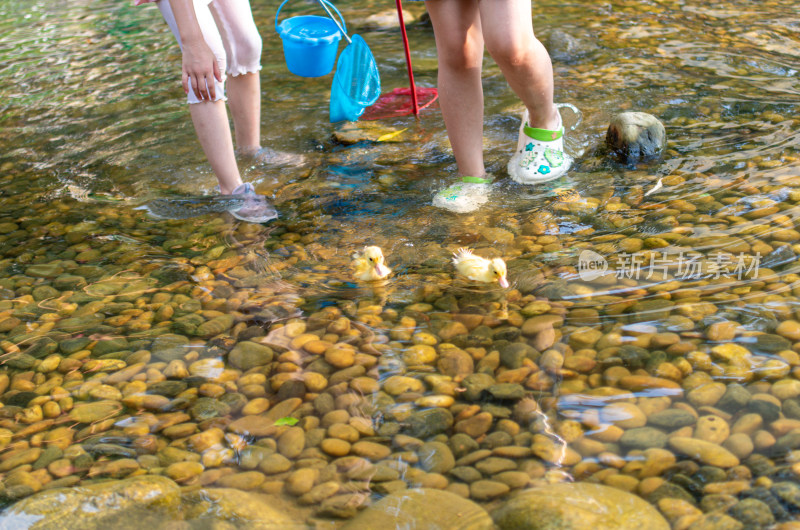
x=368 y=265
x=480 y=269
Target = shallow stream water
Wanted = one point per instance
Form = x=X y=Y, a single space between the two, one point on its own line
x=135 y=346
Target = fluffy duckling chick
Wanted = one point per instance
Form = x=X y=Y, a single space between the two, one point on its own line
x=368 y=265
x=480 y=269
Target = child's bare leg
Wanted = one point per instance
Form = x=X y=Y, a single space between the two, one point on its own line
x=242 y=42
x=244 y=98
x=211 y=124
x=508 y=32
x=459 y=44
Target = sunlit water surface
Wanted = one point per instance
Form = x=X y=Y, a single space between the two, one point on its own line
x=701 y=290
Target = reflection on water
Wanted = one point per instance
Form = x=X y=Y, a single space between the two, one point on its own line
x=649 y=341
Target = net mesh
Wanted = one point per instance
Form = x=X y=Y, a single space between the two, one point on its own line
x=398 y=103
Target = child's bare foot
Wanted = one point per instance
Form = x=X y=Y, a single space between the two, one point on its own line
x=256 y=208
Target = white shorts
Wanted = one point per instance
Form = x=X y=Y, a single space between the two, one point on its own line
x=230 y=31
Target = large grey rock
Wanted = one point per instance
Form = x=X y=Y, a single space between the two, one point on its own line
x=636 y=136
x=576 y=506
x=423 y=508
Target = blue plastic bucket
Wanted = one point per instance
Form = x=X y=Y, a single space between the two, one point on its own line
x=310 y=42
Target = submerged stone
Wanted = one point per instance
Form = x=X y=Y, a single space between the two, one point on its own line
x=246 y=355
x=643 y=438
x=110 y=345
x=565 y=48
x=427 y=508
x=573 y=506
x=436 y=457
x=671 y=419
x=752 y=512
x=95 y=411
x=426 y=423
x=239 y=509
x=143 y=501
x=475 y=384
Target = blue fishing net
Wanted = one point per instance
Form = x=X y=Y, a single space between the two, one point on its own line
x=356 y=83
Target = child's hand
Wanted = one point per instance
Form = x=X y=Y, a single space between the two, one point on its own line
x=201 y=67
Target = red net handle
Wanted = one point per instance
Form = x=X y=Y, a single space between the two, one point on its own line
x=414 y=104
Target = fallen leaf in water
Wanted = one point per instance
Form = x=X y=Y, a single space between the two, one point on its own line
x=657 y=187
x=389 y=136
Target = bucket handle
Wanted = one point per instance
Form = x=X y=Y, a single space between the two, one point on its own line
x=342 y=27
x=343 y=30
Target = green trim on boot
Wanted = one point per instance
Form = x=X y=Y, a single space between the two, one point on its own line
x=543 y=135
x=465 y=195
x=477 y=180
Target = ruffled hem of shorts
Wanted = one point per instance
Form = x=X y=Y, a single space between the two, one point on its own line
x=242 y=71
x=222 y=98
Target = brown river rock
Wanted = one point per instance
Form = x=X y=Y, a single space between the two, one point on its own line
x=151 y=499
x=706 y=452
x=577 y=505
x=428 y=508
